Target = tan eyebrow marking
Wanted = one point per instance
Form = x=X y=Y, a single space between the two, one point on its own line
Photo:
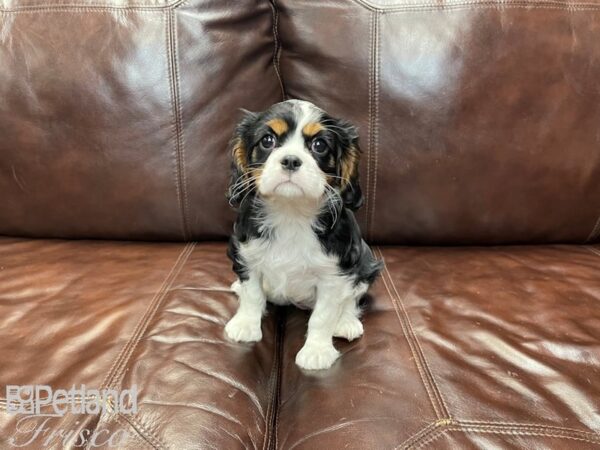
x=312 y=128
x=279 y=126
x=239 y=155
x=349 y=164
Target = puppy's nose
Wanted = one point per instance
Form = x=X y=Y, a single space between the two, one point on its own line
x=291 y=163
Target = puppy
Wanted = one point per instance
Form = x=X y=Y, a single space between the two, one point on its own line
x=295 y=240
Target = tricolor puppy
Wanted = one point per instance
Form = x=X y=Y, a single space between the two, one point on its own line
x=295 y=185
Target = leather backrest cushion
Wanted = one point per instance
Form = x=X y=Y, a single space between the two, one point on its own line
x=115 y=116
x=480 y=121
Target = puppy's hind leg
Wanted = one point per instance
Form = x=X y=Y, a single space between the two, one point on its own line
x=349 y=326
x=245 y=325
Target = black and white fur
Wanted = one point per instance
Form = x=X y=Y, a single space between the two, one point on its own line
x=295 y=185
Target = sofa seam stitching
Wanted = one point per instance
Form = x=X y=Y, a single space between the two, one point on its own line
x=272 y=413
x=92 y=7
x=109 y=379
x=173 y=117
x=370 y=122
x=139 y=433
x=111 y=416
x=431 y=438
x=493 y=430
x=469 y=422
x=180 y=182
x=518 y=427
x=180 y=128
x=83 y=10
x=407 y=8
x=438 y=428
x=376 y=75
x=158 y=303
x=421 y=434
x=136 y=436
x=147 y=430
x=279 y=375
x=591 y=249
x=277 y=47
x=117 y=361
x=268 y=430
x=595 y=232
x=523 y=432
x=428 y=372
x=418 y=362
x=426 y=6
x=497 y=6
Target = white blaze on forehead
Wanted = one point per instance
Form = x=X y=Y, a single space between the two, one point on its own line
x=309 y=176
x=305 y=113
x=302 y=104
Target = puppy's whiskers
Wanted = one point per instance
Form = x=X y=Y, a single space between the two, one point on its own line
x=334 y=203
x=245 y=185
x=346 y=181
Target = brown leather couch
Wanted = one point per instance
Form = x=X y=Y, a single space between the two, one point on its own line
x=480 y=130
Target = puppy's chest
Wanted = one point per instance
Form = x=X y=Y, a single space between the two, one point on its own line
x=291 y=262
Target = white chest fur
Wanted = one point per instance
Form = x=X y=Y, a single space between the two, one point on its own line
x=290 y=261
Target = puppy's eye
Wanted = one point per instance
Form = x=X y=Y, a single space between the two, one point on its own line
x=318 y=146
x=268 y=141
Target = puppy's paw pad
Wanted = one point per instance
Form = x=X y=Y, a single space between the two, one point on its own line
x=316 y=357
x=240 y=329
x=349 y=328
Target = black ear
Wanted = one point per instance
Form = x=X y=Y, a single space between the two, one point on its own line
x=239 y=158
x=348 y=162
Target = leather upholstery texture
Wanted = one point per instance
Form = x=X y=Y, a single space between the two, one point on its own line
x=478 y=119
x=113 y=118
x=463 y=348
x=479 y=125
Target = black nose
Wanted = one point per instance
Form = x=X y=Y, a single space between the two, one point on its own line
x=291 y=163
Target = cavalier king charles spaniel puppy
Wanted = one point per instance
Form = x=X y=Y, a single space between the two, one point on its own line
x=296 y=241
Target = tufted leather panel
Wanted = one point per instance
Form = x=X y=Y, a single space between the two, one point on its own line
x=463 y=347
x=465 y=139
x=119 y=314
x=479 y=119
x=479 y=125
x=113 y=118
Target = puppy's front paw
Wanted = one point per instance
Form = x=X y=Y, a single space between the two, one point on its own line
x=349 y=328
x=243 y=329
x=316 y=357
x=236 y=286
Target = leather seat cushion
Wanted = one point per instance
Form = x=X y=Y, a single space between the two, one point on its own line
x=475 y=347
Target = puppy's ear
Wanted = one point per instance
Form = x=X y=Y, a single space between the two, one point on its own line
x=349 y=159
x=239 y=157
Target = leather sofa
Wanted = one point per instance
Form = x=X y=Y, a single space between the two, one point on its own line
x=480 y=132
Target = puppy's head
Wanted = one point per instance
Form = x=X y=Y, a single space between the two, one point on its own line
x=295 y=151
